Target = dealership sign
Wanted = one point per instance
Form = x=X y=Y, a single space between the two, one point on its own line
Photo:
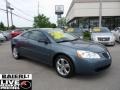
x=59 y=9
x=15 y=81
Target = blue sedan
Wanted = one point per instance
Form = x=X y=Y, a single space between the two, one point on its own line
x=67 y=53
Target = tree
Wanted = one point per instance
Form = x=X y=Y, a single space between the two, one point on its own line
x=41 y=21
x=62 y=22
x=53 y=25
x=2 y=27
x=12 y=27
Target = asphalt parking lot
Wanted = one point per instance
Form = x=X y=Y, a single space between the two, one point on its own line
x=45 y=77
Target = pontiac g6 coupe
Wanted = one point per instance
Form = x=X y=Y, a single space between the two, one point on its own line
x=66 y=53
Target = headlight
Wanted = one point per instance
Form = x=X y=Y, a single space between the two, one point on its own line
x=87 y=54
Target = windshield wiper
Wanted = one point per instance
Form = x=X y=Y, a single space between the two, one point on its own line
x=75 y=39
x=63 y=41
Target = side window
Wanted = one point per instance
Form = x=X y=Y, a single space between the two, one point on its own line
x=42 y=36
x=37 y=35
x=26 y=35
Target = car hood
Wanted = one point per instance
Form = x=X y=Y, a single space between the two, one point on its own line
x=82 y=45
x=77 y=33
x=102 y=34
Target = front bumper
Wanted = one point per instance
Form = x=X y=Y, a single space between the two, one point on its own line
x=107 y=43
x=91 y=66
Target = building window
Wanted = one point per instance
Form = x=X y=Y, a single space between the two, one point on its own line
x=88 y=22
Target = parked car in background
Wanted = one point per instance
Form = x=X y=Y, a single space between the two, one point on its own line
x=2 y=38
x=65 y=52
x=17 y=32
x=6 y=34
x=75 y=31
x=102 y=35
x=116 y=33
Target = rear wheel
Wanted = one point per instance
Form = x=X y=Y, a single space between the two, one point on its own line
x=15 y=53
x=64 y=66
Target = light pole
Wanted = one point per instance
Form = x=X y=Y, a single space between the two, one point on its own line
x=59 y=10
x=7 y=5
x=100 y=13
x=11 y=9
x=38 y=8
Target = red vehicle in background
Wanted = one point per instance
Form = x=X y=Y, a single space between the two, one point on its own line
x=16 y=32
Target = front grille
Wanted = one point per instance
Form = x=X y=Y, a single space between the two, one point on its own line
x=103 y=39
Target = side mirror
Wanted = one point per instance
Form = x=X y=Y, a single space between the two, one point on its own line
x=44 y=41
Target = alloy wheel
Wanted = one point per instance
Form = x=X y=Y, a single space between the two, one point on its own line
x=63 y=66
x=15 y=53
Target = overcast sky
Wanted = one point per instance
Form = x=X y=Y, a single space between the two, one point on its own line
x=29 y=8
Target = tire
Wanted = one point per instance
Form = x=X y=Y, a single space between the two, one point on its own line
x=15 y=53
x=64 y=67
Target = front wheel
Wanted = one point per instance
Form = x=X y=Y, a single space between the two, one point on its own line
x=64 y=66
x=15 y=53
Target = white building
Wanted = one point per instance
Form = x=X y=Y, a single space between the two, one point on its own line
x=85 y=13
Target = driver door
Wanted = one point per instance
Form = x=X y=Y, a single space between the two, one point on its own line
x=38 y=48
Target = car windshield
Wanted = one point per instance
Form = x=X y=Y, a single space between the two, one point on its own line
x=73 y=30
x=100 y=30
x=60 y=36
